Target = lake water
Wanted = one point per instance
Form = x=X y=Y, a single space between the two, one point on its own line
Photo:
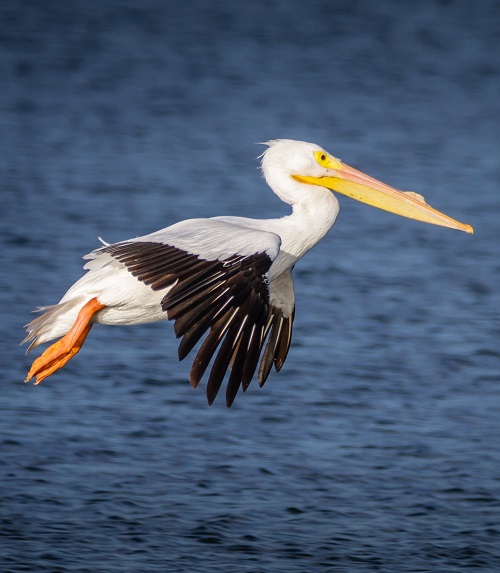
x=376 y=448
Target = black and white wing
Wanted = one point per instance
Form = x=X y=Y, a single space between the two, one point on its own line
x=216 y=281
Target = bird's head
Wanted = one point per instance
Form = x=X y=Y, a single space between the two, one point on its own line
x=292 y=167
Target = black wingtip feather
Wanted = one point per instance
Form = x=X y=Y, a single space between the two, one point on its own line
x=228 y=300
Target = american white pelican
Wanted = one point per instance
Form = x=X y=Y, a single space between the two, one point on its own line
x=227 y=277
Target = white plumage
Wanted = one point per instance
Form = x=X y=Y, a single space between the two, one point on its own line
x=226 y=278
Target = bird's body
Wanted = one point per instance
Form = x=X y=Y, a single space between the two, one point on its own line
x=230 y=277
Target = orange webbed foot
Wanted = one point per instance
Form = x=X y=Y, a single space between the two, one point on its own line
x=57 y=355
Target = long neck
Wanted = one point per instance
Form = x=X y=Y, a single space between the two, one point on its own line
x=308 y=223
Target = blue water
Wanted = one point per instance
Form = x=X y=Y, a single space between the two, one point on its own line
x=377 y=446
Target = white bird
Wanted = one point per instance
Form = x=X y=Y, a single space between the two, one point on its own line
x=229 y=278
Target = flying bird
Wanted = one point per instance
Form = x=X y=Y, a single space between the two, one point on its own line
x=227 y=279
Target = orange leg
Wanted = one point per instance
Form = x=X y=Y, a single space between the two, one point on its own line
x=63 y=350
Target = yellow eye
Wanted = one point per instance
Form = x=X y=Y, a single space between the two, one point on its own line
x=321 y=158
x=327 y=161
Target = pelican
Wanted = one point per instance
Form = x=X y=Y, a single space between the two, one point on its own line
x=228 y=278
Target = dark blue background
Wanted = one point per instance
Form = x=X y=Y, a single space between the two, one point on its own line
x=376 y=448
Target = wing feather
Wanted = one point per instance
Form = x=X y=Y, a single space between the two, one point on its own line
x=252 y=358
x=223 y=358
x=270 y=351
x=223 y=295
x=209 y=346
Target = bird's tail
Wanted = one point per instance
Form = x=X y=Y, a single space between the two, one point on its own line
x=56 y=321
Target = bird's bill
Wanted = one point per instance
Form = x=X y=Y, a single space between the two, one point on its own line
x=362 y=187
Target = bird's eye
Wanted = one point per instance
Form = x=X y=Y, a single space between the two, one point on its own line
x=324 y=159
x=321 y=157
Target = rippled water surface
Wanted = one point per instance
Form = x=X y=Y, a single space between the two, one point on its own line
x=376 y=448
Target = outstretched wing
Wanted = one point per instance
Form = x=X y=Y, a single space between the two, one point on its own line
x=216 y=280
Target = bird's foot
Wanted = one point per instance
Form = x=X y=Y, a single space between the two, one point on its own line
x=57 y=355
x=54 y=358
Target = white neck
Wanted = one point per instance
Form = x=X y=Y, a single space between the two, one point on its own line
x=308 y=223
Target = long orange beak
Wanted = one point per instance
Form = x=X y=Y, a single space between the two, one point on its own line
x=362 y=187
